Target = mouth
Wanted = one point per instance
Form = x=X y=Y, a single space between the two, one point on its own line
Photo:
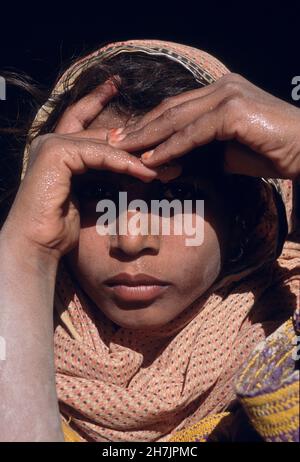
x=135 y=288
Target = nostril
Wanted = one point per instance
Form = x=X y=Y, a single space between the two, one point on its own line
x=124 y=256
x=128 y=248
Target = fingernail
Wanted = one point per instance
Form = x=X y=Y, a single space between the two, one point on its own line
x=116 y=131
x=115 y=134
x=147 y=155
x=110 y=89
x=110 y=83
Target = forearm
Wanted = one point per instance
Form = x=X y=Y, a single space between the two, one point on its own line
x=29 y=407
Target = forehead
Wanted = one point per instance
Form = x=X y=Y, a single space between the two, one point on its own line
x=109 y=118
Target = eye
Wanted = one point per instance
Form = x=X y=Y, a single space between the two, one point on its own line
x=182 y=191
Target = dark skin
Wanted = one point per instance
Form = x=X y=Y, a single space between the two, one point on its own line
x=44 y=221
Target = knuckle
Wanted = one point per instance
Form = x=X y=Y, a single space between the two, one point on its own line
x=233 y=105
x=232 y=77
x=37 y=145
x=190 y=133
x=233 y=84
x=38 y=141
x=46 y=145
x=170 y=116
x=235 y=76
x=231 y=114
x=50 y=144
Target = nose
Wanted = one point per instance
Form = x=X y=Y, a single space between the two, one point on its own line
x=133 y=245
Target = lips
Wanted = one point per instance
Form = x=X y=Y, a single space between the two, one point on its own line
x=135 y=288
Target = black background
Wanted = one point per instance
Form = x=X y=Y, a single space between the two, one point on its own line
x=258 y=40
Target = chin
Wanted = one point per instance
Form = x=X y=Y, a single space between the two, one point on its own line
x=138 y=318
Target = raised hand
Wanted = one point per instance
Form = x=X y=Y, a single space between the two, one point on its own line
x=264 y=131
x=44 y=215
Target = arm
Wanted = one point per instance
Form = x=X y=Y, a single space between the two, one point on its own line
x=29 y=407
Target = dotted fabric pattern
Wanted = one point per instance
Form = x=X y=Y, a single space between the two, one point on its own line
x=142 y=386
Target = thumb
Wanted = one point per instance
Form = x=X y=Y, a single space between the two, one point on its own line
x=77 y=116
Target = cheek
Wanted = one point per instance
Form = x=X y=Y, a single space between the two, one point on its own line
x=201 y=265
x=84 y=259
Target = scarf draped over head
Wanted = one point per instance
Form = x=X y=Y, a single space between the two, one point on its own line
x=133 y=385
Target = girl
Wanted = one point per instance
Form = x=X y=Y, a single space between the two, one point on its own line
x=152 y=337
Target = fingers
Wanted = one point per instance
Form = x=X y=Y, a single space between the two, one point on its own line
x=196 y=134
x=79 y=155
x=164 y=173
x=171 y=121
x=122 y=162
x=99 y=134
x=77 y=116
x=164 y=106
x=104 y=157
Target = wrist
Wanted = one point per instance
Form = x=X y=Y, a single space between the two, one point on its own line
x=28 y=255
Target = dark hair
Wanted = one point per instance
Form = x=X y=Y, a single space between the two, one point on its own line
x=145 y=81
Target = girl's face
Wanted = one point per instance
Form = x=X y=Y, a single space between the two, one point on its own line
x=145 y=281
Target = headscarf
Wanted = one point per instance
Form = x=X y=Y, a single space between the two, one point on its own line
x=144 y=385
